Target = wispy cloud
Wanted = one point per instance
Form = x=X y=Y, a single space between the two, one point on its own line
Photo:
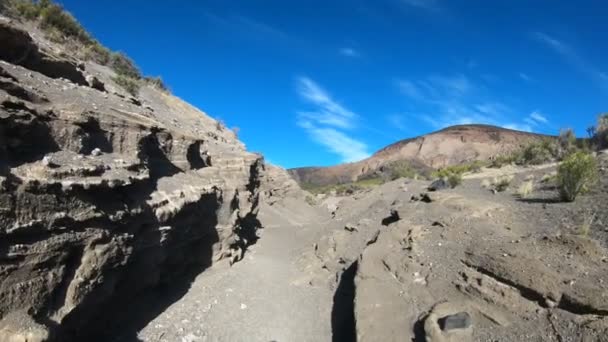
x=574 y=58
x=538 y=117
x=525 y=77
x=349 y=52
x=429 y=5
x=448 y=100
x=246 y=26
x=328 y=120
x=397 y=121
x=327 y=111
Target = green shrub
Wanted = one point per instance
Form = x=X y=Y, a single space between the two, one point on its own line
x=127 y=83
x=124 y=66
x=455 y=179
x=575 y=175
x=458 y=169
x=601 y=133
x=97 y=53
x=538 y=153
x=503 y=160
x=401 y=169
x=567 y=143
x=53 y=16
x=25 y=9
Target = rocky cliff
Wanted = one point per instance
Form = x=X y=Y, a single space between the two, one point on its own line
x=450 y=146
x=104 y=195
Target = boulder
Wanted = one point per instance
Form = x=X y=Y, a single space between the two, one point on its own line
x=439 y=184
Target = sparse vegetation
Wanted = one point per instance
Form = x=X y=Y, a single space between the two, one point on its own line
x=502 y=183
x=575 y=175
x=585 y=227
x=156 y=82
x=454 y=179
x=346 y=188
x=61 y=27
x=124 y=66
x=401 y=169
x=129 y=84
x=601 y=132
x=525 y=189
x=538 y=153
x=310 y=200
x=549 y=177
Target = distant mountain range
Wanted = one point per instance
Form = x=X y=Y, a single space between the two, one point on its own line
x=449 y=146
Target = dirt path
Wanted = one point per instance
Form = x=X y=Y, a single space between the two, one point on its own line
x=257 y=299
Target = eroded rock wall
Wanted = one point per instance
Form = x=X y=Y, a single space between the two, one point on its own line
x=103 y=196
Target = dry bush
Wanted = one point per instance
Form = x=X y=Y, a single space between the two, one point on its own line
x=127 y=83
x=124 y=66
x=525 y=189
x=502 y=183
x=549 y=177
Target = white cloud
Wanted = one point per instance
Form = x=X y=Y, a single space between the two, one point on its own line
x=350 y=52
x=574 y=58
x=457 y=100
x=538 y=117
x=327 y=110
x=324 y=122
x=349 y=149
x=525 y=77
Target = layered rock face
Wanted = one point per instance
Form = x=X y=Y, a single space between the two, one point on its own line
x=104 y=196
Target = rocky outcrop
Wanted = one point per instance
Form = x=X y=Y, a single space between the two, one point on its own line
x=103 y=198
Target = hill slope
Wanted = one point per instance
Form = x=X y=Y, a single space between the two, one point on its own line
x=449 y=146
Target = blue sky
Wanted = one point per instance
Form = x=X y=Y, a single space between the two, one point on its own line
x=318 y=82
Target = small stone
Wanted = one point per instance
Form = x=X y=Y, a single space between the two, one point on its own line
x=243 y=306
x=350 y=228
x=96 y=152
x=48 y=162
x=460 y=320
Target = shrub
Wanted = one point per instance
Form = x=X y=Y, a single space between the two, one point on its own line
x=567 y=143
x=585 y=228
x=157 y=82
x=401 y=169
x=525 y=189
x=97 y=53
x=502 y=183
x=311 y=200
x=53 y=16
x=575 y=175
x=549 y=177
x=455 y=179
x=25 y=9
x=503 y=160
x=601 y=133
x=124 y=66
x=538 y=153
x=129 y=84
